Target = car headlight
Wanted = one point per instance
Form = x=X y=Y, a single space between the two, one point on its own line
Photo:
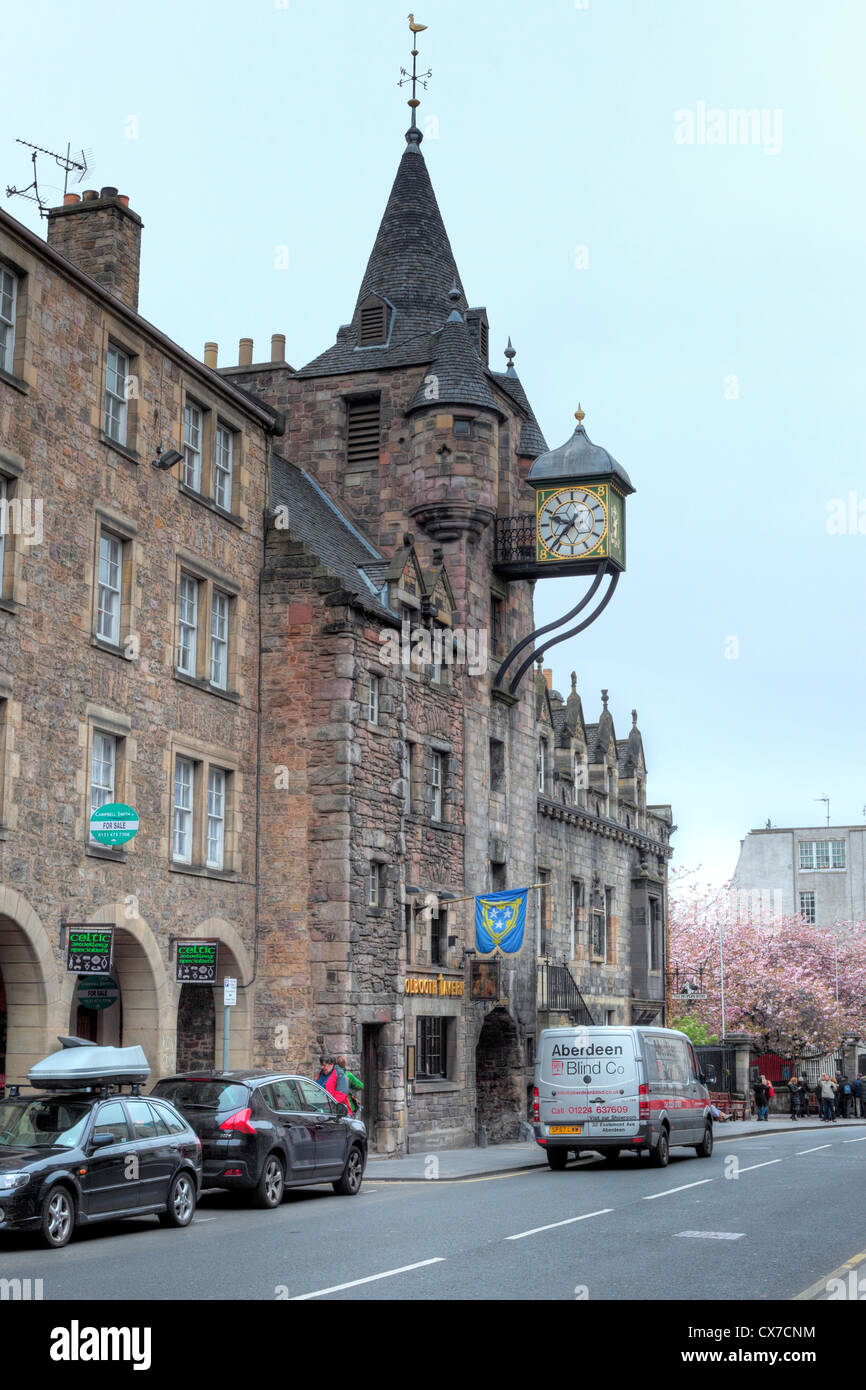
x=8 y=1181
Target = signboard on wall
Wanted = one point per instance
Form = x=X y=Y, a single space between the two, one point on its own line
x=484 y=979
x=89 y=948
x=97 y=992
x=197 y=962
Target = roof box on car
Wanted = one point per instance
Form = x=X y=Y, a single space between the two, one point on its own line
x=82 y=1064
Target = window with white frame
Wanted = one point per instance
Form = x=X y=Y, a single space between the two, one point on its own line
x=373 y=700
x=375 y=884
x=192 y=446
x=8 y=305
x=219 y=639
x=216 y=817
x=187 y=624
x=116 y=408
x=223 y=467
x=542 y=765
x=437 y=778
x=822 y=854
x=110 y=587
x=103 y=766
x=184 y=789
x=807 y=908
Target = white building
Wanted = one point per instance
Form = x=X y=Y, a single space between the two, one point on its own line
x=819 y=872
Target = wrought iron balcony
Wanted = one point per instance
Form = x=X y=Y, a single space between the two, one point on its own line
x=558 y=993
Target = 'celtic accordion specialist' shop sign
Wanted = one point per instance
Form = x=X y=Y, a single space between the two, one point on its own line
x=197 y=962
x=89 y=948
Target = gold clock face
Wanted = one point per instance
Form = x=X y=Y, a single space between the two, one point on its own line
x=571 y=523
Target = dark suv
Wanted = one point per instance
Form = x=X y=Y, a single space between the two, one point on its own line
x=266 y=1131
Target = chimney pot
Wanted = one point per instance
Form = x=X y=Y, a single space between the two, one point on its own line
x=245 y=352
x=278 y=347
x=548 y=676
x=211 y=351
x=108 y=193
x=88 y=195
x=70 y=198
x=123 y=199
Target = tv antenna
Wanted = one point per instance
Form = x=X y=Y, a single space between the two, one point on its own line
x=80 y=163
x=826 y=801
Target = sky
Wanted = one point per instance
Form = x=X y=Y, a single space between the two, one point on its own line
x=695 y=284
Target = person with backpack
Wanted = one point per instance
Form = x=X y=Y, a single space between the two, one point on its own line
x=827 y=1097
x=355 y=1085
x=845 y=1094
x=334 y=1080
x=795 y=1097
x=763 y=1092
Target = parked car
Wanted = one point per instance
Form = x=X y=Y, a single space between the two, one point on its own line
x=77 y=1151
x=610 y=1089
x=266 y=1131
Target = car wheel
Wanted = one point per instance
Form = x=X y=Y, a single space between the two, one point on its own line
x=557 y=1159
x=58 y=1218
x=660 y=1155
x=181 y=1202
x=705 y=1148
x=271 y=1184
x=349 y=1184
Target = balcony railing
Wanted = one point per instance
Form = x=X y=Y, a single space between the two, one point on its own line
x=558 y=993
x=514 y=540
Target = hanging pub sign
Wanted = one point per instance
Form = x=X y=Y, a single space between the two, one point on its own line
x=89 y=948
x=197 y=962
x=484 y=979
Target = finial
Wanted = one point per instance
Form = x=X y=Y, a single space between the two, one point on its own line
x=510 y=352
x=454 y=292
x=634 y=718
x=604 y=699
x=579 y=414
x=538 y=661
x=413 y=134
x=574 y=682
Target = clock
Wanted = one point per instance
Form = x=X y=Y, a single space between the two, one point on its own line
x=571 y=522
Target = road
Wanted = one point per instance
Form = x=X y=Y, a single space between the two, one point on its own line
x=784 y=1211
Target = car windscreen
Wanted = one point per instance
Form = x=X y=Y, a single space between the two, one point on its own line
x=203 y=1095
x=43 y=1124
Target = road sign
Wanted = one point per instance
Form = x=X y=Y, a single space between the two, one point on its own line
x=197 y=962
x=113 y=824
x=230 y=991
x=89 y=948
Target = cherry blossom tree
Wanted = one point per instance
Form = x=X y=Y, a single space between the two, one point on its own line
x=780 y=974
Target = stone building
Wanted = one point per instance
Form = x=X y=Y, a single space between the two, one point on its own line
x=281 y=650
x=102 y=698
x=818 y=872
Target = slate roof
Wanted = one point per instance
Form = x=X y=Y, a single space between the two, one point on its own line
x=532 y=441
x=315 y=520
x=579 y=457
x=459 y=371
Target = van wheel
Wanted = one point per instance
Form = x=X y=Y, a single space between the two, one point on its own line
x=610 y=1155
x=705 y=1148
x=660 y=1155
x=557 y=1159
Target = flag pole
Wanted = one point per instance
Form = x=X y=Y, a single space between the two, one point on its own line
x=450 y=902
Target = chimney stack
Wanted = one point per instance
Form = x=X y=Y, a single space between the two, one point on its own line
x=101 y=235
x=548 y=676
x=211 y=352
x=278 y=347
x=245 y=352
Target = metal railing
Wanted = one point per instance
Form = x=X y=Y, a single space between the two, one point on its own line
x=558 y=993
x=514 y=539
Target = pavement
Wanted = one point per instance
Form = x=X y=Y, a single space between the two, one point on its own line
x=455 y=1165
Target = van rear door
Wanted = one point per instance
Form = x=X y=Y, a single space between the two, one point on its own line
x=589 y=1078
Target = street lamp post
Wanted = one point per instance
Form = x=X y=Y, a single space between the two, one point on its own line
x=722 y=973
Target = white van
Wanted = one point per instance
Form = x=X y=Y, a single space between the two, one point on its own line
x=612 y=1089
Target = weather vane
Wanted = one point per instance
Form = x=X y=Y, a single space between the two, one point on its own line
x=414 y=76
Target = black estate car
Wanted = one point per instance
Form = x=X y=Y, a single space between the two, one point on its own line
x=266 y=1131
x=81 y=1152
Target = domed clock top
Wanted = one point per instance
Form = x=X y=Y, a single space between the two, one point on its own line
x=580 y=503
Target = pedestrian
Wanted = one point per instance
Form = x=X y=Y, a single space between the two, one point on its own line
x=795 y=1097
x=333 y=1079
x=355 y=1085
x=805 y=1094
x=826 y=1097
x=838 y=1096
x=762 y=1089
x=845 y=1094
x=857 y=1088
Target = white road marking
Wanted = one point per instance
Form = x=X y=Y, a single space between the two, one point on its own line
x=201 y=1220
x=370 y=1279
x=768 y=1164
x=670 y=1190
x=553 y=1225
x=855 y=1141
x=713 y=1235
x=815 y=1150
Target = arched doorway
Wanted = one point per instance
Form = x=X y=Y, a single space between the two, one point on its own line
x=120 y=1009
x=196 y=1028
x=499 y=1079
x=27 y=995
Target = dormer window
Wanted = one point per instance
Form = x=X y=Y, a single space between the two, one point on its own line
x=373 y=328
x=483 y=339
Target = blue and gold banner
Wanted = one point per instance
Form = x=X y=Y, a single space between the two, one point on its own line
x=500 y=919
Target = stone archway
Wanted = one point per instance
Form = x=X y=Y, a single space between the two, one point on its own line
x=196 y=1028
x=500 y=1103
x=30 y=990
x=199 y=1011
